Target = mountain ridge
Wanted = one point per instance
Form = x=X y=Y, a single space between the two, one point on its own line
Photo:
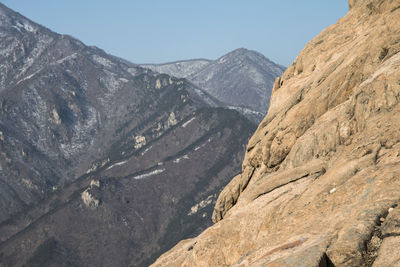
x=175 y=61
x=241 y=78
x=97 y=153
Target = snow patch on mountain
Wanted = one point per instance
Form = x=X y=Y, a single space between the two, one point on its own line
x=181 y=158
x=180 y=69
x=117 y=164
x=187 y=122
x=102 y=61
x=141 y=176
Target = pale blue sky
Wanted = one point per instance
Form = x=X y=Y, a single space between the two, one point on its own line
x=155 y=31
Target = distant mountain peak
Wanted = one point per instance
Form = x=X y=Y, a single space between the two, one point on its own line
x=241 y=51
x=71 y=116
x=244 y=53
x=242 y=79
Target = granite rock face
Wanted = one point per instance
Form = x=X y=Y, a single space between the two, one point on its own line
x=320 y=181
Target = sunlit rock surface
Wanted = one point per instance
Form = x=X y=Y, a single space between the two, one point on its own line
x=320 y=182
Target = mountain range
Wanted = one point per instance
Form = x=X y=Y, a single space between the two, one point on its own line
x=103 y=162
x=242 y=79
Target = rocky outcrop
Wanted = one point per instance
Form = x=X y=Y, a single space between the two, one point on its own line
x=89 y=200
x=320 y=179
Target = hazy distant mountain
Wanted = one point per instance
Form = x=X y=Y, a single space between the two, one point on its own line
x=243 y=79
x=102 y=162
x=180 y=69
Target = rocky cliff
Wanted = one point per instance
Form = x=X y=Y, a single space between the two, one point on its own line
x=320 y=179
x=102 y=162
x=242 y=79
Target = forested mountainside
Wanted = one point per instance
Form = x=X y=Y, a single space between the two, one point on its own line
x=103 y=162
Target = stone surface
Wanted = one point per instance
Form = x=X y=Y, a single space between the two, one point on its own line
x=89 y=200
x=391 y=224
x=389 y=239
x=389 y=253
x=322 y=170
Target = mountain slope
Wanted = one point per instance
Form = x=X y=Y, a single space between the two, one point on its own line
x=243 y=79
x=320 y=182
x=102 y=159
x=180 y=69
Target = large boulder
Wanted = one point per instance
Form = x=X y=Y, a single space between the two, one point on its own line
x=321 y=173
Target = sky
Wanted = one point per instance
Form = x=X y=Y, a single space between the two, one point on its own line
x=158 y=31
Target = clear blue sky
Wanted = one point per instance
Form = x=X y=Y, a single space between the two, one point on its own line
x=155 y=31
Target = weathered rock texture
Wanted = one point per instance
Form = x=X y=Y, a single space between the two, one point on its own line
x=322 y=171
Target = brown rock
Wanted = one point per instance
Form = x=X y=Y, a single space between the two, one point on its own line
x=391 y=226
x=230 y=194
x=324 y=162
x=277 y=84
x=389 y=253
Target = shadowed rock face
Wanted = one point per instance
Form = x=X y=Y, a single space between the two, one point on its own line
x=320 y=179
x=242 y=79
x=102 y=162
